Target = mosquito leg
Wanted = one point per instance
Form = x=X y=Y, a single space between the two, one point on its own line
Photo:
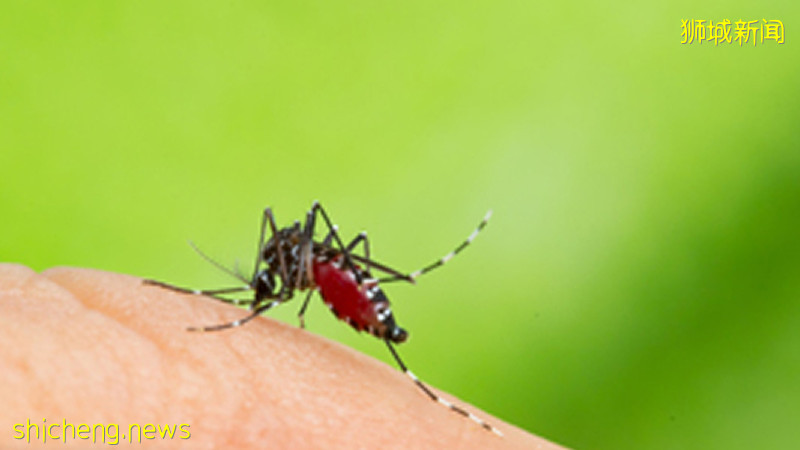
x=437 y=398
x=396 y=275
x=269 y=218
x=235 y=301
x=305 y=269
x=301 y=315
x=414 y=275
x=316 y=207
x=362 y=239
x=327 y=241
x=236 y=323
x=213 y=293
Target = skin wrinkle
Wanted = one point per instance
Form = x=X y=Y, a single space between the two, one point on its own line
x=200 y=365
x=59 y=300
x=152 y=348
x=115 y=351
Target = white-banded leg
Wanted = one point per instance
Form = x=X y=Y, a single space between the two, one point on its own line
x=436 y=398
x=396 y=275
x=414 y=275
x=256 y=312
x=213 y=293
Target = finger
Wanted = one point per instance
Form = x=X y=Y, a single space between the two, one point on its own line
x=91 y=347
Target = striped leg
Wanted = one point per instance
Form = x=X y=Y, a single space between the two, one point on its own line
x=256 y=312
x=213 y=293
x=414 y=275
x=396 y=275
x=436 y=398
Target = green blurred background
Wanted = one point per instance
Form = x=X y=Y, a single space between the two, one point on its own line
x=638 y=286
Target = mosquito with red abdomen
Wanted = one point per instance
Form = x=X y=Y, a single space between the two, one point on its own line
x=291 y=260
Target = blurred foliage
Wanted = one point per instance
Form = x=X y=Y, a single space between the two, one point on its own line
x=638 y=284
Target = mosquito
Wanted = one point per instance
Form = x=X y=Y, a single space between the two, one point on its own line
x=291 y=260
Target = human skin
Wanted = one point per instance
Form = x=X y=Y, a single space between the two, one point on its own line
x=93 y=347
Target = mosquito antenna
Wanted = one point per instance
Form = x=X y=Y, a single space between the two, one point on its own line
x=218 y=265
x=237 y=267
